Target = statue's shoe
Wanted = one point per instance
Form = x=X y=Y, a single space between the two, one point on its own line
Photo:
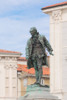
x=36 y=83
x=46 y=86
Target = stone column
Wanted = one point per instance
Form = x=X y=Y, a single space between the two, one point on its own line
x=8 y=76
x=58 y=40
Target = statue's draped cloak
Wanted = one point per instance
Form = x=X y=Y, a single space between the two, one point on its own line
x=45 y=45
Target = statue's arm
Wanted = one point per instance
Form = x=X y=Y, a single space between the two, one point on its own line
x=47 y=45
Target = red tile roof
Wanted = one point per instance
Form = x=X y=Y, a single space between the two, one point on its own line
x=22 y=59
x=6 y=51
x=55 y=5
x=46 y=71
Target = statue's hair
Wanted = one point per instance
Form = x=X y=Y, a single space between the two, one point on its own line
x=33 y=28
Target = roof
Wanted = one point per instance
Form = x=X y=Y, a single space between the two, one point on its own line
x=22 y=59
x=6 y=51
x=46 y=71
x=55 y=5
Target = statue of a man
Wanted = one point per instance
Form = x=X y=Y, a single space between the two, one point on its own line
x=36 y=54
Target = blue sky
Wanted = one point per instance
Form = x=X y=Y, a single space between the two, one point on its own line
x=16 y=18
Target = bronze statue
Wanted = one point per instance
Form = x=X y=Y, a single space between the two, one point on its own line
x=36 y=54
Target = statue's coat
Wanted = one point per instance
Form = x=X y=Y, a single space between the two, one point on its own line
x=45 y=44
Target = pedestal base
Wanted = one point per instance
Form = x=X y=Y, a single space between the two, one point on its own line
x=36 y=92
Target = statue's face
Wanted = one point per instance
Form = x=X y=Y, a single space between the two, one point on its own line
x=33 y=32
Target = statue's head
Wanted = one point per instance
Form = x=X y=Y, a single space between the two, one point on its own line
x=33 y=31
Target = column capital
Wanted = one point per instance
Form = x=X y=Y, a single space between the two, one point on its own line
x=57 y=15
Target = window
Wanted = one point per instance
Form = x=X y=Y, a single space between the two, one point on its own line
x=42 y=81
x=25 y=82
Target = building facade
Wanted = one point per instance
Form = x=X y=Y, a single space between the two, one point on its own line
x=58 y=40
x=8 y=75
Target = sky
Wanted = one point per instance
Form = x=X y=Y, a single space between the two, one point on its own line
x=16 y=19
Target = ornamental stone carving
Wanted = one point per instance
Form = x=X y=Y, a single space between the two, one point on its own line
x=11 y=58
x=2 y=58
x=6 y=67
x=57 y=15
x=8 y=59
x=14 y=58
x=10 y=65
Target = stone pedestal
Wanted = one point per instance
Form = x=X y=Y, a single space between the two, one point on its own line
x=35 y=92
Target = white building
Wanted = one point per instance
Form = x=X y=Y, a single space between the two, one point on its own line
x=58 y=40
x=8 y=75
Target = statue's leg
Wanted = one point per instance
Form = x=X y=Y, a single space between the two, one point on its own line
x=40 y=74
x=36 y=70
x=39 y=64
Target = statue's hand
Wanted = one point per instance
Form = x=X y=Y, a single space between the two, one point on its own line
x=51 y=53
